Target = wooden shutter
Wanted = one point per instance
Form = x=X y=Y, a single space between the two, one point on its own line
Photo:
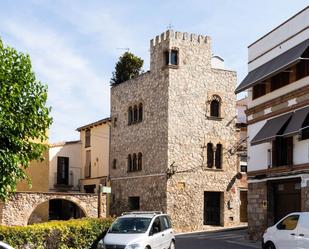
x=274 y=154
x=289 y=150
x=218 y=156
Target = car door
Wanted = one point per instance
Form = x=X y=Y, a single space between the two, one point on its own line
x=167 y=232
x=155 y=235
x=302 y=235
x=286 y=232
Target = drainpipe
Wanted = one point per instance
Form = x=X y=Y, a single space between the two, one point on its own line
x=109 y=169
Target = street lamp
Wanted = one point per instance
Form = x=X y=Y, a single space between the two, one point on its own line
x=172 y=169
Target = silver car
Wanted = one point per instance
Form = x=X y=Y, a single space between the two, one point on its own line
x=140 y=230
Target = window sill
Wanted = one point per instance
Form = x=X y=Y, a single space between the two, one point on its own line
x=135 y=123
x=214 y=118
x=170 y=66
x=213 y=169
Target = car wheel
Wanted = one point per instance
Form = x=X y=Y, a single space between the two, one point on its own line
x=269 y=245
x=172 y=246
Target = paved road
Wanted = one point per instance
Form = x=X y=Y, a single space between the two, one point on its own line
x=216 y=240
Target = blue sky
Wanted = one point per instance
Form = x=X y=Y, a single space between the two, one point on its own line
x=74 y=44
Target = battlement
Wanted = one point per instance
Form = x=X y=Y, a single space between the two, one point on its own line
x=171 y=35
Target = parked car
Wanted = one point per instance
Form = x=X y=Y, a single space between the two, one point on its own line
x=140 y=230
x=5 y=246
x=291 y=232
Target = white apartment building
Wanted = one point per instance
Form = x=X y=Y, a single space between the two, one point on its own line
x=278 y=123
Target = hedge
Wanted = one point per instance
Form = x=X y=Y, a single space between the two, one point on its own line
x=77 y=234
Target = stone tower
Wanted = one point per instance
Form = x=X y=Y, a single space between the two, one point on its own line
x=180 y=113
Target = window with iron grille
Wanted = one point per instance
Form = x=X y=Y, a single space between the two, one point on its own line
x=87 y=138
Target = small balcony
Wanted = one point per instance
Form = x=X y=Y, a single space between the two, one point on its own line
x=63 y=183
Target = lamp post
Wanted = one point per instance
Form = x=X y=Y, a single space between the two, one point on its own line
x=171 y=170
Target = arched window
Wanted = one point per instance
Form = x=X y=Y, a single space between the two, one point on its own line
x=140 y=112
x=218 y=157
x=215 y=106
x=139 y=161
x=130 y=163
x=135 y=114
x=134 y=162
x=210 y=155
x=130 y=115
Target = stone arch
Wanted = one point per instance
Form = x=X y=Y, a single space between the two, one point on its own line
x=215 y=106
x=47 y=200
x=18 y=209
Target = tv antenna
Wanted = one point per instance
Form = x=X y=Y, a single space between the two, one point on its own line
x=126 y=49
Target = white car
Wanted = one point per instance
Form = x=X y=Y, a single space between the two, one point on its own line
x=291 y=232
x=5 y=246
x=140 y=230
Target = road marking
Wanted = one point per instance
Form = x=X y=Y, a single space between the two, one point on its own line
x=213 y=236
x=242 y=244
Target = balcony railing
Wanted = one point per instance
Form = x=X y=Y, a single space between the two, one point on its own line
x=64 y=186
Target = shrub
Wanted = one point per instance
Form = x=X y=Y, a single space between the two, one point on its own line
x=77 y=234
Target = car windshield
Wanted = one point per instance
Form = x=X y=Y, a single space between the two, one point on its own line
x=130 y=225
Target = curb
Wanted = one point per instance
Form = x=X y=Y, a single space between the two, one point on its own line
x=214 y=231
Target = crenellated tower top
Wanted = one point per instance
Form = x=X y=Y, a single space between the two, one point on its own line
x=176 y=35
x=181 y=47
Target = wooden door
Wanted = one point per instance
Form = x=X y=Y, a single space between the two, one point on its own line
x=287 y=198
x=212 y=208
x=243 y=206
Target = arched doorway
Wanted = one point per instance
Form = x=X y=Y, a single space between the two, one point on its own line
x=60 y=209
x=56 y=209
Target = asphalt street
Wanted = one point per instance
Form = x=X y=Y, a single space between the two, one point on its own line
x=234 y=239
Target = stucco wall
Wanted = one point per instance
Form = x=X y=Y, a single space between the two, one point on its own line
x=73 y=152
x=296 y=29
x=38 y=172
x=99 y=147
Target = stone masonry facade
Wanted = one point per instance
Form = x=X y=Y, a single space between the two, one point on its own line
x=175 y=130
x=19 y=208
x=261 y=203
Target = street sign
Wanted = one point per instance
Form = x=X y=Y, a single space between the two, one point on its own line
x=106 y=190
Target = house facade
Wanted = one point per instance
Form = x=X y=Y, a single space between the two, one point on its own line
x=65 y=166
x=173 y=134
x=278 y=121
x=95 y=140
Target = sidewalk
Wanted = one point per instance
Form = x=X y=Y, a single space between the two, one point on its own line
x=211 y=229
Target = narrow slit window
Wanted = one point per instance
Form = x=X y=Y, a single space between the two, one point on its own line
x=139 y=161
x=210 y=155
x=218 y=156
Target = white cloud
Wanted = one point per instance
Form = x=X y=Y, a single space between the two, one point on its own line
x=77 y=93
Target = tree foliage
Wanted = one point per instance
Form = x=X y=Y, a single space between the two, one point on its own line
x=127 y=67
x=24 y=118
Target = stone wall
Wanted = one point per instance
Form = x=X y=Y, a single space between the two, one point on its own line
x=176 y=129
x=151 y=190
x=18 y=209
x=148 y=137
x=257 y=209
x=191 y=87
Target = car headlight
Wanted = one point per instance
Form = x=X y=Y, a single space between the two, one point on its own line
x=134 y=246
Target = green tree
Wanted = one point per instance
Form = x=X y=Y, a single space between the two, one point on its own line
x=24 y=118
x=127 y=67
